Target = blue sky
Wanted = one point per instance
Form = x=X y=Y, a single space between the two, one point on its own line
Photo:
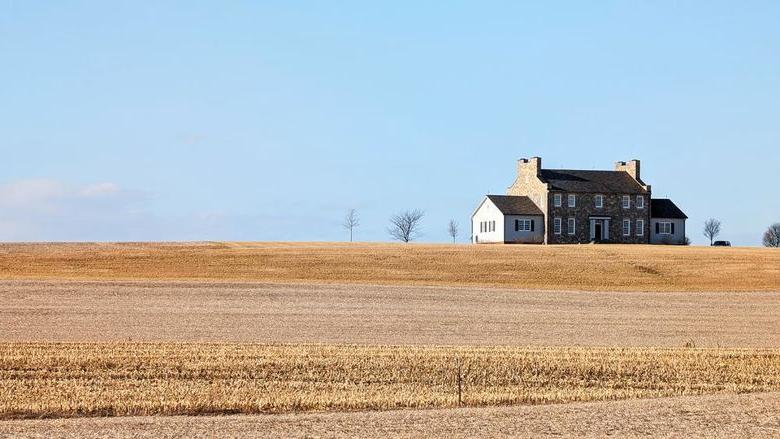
x=268 y=120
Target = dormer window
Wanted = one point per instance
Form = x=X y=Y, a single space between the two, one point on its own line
x=626 y=202
x=599 y=201
x=640 y=202
x=572 y=200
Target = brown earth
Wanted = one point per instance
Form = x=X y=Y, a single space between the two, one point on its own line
x=715 y=416
x=266 y=313
x=576 y=267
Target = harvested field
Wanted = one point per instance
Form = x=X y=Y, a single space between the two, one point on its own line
x=530 y=325
x=63 y=380
x=578 y=267
x=267 y=313
x=713 y=416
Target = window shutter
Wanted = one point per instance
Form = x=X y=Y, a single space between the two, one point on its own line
x=657 y=228
x=672 y=228
x=517 y=225
x=532 y=224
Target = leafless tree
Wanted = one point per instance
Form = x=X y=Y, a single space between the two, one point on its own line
x=452 y=228
x=405 y=226
x=711 y=229
x=772 y=236
x=351 y=221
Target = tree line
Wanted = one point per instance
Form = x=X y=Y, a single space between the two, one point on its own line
x=404 y=226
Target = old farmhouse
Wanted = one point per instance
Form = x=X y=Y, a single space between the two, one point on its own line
x=562 y=206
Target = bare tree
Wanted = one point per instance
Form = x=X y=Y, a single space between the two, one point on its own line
x=351 y=221
x=772 y=236
x=711 y=229
x=405 y=226
x=452 y=228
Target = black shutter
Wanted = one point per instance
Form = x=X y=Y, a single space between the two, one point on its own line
x=517 y=225
x=657 y=228
x=672 y=228
x=532 y=225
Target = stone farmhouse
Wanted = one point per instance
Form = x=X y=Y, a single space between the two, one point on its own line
x=563 y=206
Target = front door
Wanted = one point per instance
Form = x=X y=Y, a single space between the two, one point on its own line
x=597 y=231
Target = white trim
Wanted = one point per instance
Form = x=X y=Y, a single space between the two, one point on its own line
x=626 y=202
x=638 y=204
x=523 y=225
x=640 y=227
x=571 y=226
x=557 y=226
x=626 y=227
x=572 y=200
x=599 y=201
x=664 y=225
x=557 y=200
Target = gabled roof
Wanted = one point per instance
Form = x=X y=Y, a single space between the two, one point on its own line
x=570 y=180
x=515 y=205
x=665 y=208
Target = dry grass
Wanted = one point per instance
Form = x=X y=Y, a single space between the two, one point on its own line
x=579 y=267
x=63 y=380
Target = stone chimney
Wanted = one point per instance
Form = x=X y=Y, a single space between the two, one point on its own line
x=532 y=166
x=632 y=167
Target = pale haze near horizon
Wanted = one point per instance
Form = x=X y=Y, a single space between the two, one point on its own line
x=224 y=121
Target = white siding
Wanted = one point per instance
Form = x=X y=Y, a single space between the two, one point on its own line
x=535 y=237
x=678 y=237
x=487 y=212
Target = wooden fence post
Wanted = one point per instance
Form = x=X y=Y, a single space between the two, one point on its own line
x=460 y=382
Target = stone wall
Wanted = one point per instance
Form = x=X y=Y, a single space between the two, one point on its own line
x=586 y=207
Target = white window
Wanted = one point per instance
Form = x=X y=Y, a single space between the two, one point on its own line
x=571 y=226
x=626 y=202
x=572 y=200
x=640 y=202
x=626 y=227
x=599 y=201
x=557 y=200
x=664 y=228
x=557 y=226
x=523 y=225
x=640 y=227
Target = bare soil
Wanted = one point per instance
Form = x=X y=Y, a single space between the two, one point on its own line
x=714 y=416
x=266 y=313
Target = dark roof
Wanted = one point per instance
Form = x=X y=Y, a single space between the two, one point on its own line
x=591 y=181
x=515 y=205
x=665 y=208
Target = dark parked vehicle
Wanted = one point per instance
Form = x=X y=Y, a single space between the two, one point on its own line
x=721 y=244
